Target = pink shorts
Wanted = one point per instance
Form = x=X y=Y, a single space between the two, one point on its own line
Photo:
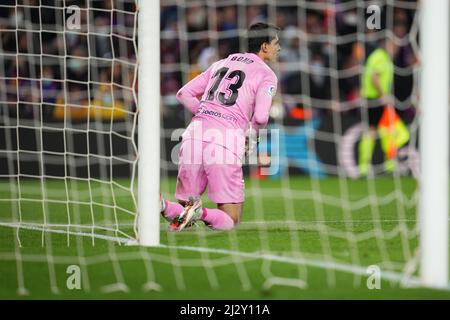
x=203 y=164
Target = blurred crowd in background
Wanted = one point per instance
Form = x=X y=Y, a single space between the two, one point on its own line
x=323 y=50
x=324 y=46
x=87 y=71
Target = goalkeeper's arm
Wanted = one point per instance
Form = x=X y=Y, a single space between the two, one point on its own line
x=189 y=93
x=263 y=102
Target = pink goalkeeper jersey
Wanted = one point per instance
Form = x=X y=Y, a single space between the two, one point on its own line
x=234 y=92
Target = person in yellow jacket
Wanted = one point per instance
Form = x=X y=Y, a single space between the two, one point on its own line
x=377 y=82
x=72 y=104
x=104 y=103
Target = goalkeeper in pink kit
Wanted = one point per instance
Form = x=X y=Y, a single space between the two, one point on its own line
x=234 y=93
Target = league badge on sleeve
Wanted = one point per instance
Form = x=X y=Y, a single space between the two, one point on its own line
x=272 y=91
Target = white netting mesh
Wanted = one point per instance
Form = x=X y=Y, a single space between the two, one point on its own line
x=68 y=155
x=320 y=116
x=68 y=151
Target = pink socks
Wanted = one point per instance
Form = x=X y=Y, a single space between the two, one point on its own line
x=217 y=219
x=172 y=210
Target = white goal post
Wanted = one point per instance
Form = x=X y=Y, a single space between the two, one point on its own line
x=149 y=123
x=434 y=204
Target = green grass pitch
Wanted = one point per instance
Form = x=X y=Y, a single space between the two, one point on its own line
x=291 y=230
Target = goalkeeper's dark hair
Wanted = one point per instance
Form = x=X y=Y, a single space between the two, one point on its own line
x=260 y=33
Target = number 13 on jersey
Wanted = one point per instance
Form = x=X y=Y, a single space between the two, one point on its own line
x=236 y=79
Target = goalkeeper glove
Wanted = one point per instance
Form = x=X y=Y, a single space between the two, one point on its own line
x=251 y=143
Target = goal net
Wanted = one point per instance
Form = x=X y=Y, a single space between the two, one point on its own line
x=68 y=120
x=313 y=217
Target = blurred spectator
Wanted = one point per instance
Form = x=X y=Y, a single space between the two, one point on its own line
x=49 y=86
x=170 y=51
x=319 y=84
x=169 y=87
x=196 y=18
x=169 y=18
x=77 y=65
x=206 y=58
x=228 y=19
x=255 y=13
x=290 y=44
x=72 y=104
x=102 y=43
x=314 y=23
x=105 y=103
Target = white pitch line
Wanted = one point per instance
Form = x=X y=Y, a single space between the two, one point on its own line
x=83 y=234
x=387 y=275
x=270 y=223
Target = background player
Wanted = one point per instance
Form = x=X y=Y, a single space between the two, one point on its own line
x=377 y=82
